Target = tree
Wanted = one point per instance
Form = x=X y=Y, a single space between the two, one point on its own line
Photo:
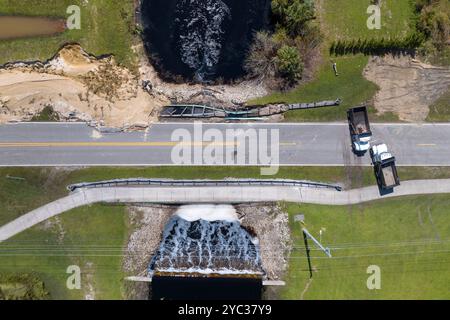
x=290 y=64
x=293 y=14
x=297 y=15
x=262 y=58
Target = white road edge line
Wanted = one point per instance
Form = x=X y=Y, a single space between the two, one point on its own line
x=211 y=165
x=248 y=123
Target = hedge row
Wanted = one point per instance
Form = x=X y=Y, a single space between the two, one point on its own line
x=377 y=46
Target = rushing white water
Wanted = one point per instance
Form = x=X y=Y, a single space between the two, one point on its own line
x=208 y=212
x=200 y=29
x=207 y=240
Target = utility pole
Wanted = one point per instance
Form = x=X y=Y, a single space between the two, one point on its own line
x=305 y=238
x=306 y=235
x=318 y=244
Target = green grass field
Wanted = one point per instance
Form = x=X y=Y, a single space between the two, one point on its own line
x=408 y=238
x=93 y=240
x=350 y=86
x=107 y=28
x=345 y=19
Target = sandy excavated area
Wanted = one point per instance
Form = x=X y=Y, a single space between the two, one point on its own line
x=78 y=87
x=407 y=86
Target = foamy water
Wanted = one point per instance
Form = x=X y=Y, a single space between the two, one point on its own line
x=202 y=40
x=207 y=239
x=201 y=28
x=208 y=213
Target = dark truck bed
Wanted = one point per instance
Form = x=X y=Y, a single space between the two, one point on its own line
x=387 y=175
x=359 y=121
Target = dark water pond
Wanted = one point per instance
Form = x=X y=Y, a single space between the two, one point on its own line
x=196 y=288
x=13 y=27
x=202 y=39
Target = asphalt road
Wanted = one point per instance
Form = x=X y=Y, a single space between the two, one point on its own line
x=309 y=144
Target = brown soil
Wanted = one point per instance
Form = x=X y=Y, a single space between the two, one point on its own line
x=271 y=226
x=147 y=224
x=407 y=86
x=77 y=86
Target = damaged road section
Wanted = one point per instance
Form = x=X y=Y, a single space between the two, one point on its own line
x=76 y=86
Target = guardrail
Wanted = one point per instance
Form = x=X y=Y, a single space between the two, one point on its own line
x=203 y=111
x=200 y=183
x=315 y=105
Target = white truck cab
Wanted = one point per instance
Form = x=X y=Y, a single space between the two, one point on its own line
x=380 y=153
x=361 y=144
x=360 y=132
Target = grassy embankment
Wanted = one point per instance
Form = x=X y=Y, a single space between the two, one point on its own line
x=345 y=20
x=107 y=27
x=94 y=237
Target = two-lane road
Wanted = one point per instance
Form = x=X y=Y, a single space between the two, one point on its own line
x=303 y=144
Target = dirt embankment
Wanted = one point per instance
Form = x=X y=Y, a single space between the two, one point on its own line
x=407 y=86
x=217 y=95
x=147 y=228
x=77 y=86
x=271 y=226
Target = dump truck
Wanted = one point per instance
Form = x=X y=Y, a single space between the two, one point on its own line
x=384 y=166
x=360 y=132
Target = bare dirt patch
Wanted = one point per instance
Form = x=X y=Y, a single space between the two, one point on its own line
x=81 y=87
x=77 y=86
x=271 y=226
x=407 y=86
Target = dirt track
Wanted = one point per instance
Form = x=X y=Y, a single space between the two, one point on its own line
x=407 y=86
